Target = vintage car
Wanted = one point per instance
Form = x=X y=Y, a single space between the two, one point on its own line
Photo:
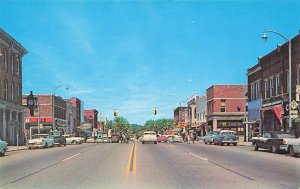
x=58 y=138
x=225 y=137
x=149 y=136
x=3 y=147
x=40 y=141
x=209 y=138
x=162 y=138
x=175 y=139
x=293 y=146
x=71 y=139
x=274 y=141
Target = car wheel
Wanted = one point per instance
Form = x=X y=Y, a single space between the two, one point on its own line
x=205 y=142
x=234 y=144
x=46 y=145
x=273 y=149
x=291 y=151
x=256 y=147
x=228 y=144
x=2 y=153
x=74 y=142
x=143 y=142
x=155 y=142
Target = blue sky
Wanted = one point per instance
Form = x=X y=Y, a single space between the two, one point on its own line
x=136 y=55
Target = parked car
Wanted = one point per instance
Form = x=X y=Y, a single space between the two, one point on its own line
x=149 y=136
x=71 y=139
x=274 y=141
x=162 y=138
x=40 y=141
x=58 y=138
x=3 y=147
x=225 y=137
x=209 y=138
x=293 y=146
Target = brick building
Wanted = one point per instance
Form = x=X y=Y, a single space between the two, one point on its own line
x=226 y=108
x=11 y=110
x=43 y=115
x=79 y=109
x=268 y=82
x=91 y=116
x=180 y=117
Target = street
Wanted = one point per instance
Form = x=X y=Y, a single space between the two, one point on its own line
x=138 y=165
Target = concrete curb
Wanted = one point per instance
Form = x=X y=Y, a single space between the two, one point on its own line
x=16 y=149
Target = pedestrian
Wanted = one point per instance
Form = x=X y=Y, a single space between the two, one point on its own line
x=192 y=137
x=187 y=138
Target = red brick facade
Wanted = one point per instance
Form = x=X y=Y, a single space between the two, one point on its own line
x=226 y=107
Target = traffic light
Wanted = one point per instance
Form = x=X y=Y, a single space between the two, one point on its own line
x=116 y=114
x=154 y=111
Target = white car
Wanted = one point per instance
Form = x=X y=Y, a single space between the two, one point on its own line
x=149 y=136
x=40 y=140
x=71 y=139
x=293 y=145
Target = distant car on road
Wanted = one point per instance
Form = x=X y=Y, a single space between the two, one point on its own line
x=209 y=138
x=175 y=139
x=149 y=136
x=40 y=141
x=226 y=137
x=162 y=138
x=274 y=141
x=3 y=147
x=70 y=139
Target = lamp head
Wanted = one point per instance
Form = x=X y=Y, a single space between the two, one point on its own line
x=264 y=37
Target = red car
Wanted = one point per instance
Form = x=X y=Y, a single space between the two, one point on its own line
x=162 y=138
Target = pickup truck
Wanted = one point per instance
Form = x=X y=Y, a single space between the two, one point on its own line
x=149 y=136
x=274 y=141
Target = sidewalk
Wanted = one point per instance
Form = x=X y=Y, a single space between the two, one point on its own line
x=16 y=148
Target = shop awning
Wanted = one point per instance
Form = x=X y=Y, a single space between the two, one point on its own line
x=266 y=108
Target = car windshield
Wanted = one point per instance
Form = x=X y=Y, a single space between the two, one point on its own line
x=227 y=134
x=39 y=136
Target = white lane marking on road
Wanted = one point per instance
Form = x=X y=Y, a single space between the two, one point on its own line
x=71 y=157
x=198 y=156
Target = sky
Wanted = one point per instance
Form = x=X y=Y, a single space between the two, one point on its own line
x=134 y=56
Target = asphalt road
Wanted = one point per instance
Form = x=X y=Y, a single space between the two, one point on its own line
x=148 y=166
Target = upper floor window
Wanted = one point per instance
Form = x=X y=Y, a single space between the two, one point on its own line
x=12 y=92
x=17 y=67
x=266 y=85
x=277 y=85
x=12 y=64
x=271 y=84
x=5 y=90
x=252 y=96
x=223 y=105
x=5 y=61
x=257 y=85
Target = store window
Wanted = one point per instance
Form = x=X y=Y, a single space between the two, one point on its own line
x=271 y=84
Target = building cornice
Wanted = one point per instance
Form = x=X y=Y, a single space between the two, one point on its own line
x=12 y=42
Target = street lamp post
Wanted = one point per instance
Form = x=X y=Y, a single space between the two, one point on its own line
x=53 y=102
x=264 y=37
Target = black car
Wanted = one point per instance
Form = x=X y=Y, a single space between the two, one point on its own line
x=273 y=141
x=58 y=138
